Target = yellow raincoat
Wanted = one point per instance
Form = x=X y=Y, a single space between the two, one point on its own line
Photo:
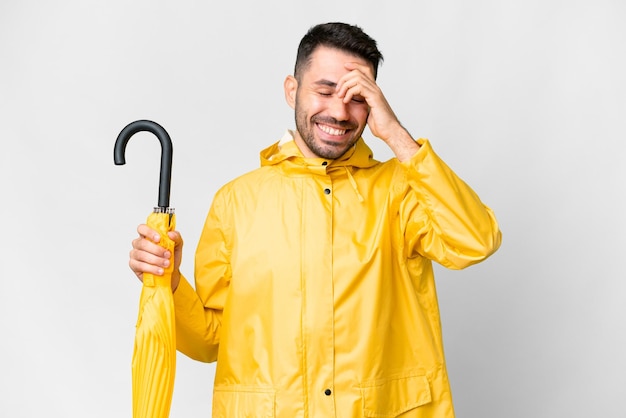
x=315 y=290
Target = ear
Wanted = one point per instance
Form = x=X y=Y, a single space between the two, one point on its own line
x=291 y=88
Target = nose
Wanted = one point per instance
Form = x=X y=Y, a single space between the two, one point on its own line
x=338 y=109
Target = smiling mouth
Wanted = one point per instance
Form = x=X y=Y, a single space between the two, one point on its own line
x=331 y=131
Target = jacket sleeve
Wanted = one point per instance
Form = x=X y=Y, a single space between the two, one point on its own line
x=444 y=220
x=199 y=311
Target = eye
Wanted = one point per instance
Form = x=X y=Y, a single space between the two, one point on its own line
x=358 y=99
x=325 y=93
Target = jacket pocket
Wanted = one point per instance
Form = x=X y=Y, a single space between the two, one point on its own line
x=243 y=402
x=394 y=396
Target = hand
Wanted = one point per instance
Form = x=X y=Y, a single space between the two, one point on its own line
x=359 y=83
x=147 y=256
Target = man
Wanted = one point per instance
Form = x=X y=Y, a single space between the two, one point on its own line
x=314 y=284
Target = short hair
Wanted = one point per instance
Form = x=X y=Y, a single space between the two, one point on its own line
x=342 y=36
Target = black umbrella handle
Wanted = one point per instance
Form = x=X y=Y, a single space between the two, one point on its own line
x=167 y=150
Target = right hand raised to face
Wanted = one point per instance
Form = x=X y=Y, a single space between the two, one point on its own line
x=147 y=256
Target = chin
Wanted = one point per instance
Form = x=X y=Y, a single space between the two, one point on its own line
x=332 y=153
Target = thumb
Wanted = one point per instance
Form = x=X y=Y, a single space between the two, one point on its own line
x=175 y=236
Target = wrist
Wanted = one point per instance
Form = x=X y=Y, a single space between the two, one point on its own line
x=402 y=144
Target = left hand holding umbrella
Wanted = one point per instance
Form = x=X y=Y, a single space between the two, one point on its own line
x=149 y=256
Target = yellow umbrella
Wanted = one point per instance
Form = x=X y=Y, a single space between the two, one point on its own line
x=154 y=356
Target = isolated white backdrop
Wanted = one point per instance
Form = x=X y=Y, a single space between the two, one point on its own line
x=526 y=100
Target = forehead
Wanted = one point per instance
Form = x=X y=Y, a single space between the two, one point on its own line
x=329 y=63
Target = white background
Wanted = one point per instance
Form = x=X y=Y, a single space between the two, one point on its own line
x=526 y=100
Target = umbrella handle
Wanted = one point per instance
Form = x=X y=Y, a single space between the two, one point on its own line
x=165 y=178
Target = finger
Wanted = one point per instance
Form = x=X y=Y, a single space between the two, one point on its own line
x=355 y=84
x=356 y=92
x=147 y=246
x=143 y=257
x=350 y=92
x=345 y=89
x=139 y=268
x=358 y=73
x=149 y=233
x=365 y=69
x=176 y=237
x=347 y=81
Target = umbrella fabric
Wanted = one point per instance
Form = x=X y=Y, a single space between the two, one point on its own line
x=154 y=356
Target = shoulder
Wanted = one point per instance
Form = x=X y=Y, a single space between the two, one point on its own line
x=245 y=184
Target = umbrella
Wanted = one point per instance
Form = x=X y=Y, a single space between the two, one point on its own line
x=154 y=355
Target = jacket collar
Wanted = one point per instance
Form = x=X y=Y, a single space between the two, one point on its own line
x=287 y=154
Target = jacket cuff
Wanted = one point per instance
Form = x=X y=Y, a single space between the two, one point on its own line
x=424 y=150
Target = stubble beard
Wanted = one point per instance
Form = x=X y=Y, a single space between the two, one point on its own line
x=305 y=128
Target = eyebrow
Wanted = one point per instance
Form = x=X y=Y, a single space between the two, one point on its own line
x=324 y=82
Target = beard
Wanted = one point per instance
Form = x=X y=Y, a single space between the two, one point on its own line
x=306 y=126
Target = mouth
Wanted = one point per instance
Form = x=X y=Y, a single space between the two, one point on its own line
x=330 y=130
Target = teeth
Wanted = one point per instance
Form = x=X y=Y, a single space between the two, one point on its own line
x=332 y=131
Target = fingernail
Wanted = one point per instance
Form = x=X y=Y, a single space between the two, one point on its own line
x=166 y=263
x=156 y=238
x=160 y=272
x=167 y=254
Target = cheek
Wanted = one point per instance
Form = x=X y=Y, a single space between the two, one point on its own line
x=309 y=106
x=315 y=105
x=360 y=114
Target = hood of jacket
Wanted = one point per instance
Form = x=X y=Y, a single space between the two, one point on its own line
x=288 y=155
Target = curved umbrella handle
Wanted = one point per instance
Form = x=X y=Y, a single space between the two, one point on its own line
x=165 y=178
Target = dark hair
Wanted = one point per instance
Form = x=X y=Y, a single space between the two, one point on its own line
x=348 y=38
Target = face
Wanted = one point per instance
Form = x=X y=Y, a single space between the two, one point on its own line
x=326 y=127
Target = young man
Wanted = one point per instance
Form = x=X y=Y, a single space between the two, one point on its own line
x=314 y=287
